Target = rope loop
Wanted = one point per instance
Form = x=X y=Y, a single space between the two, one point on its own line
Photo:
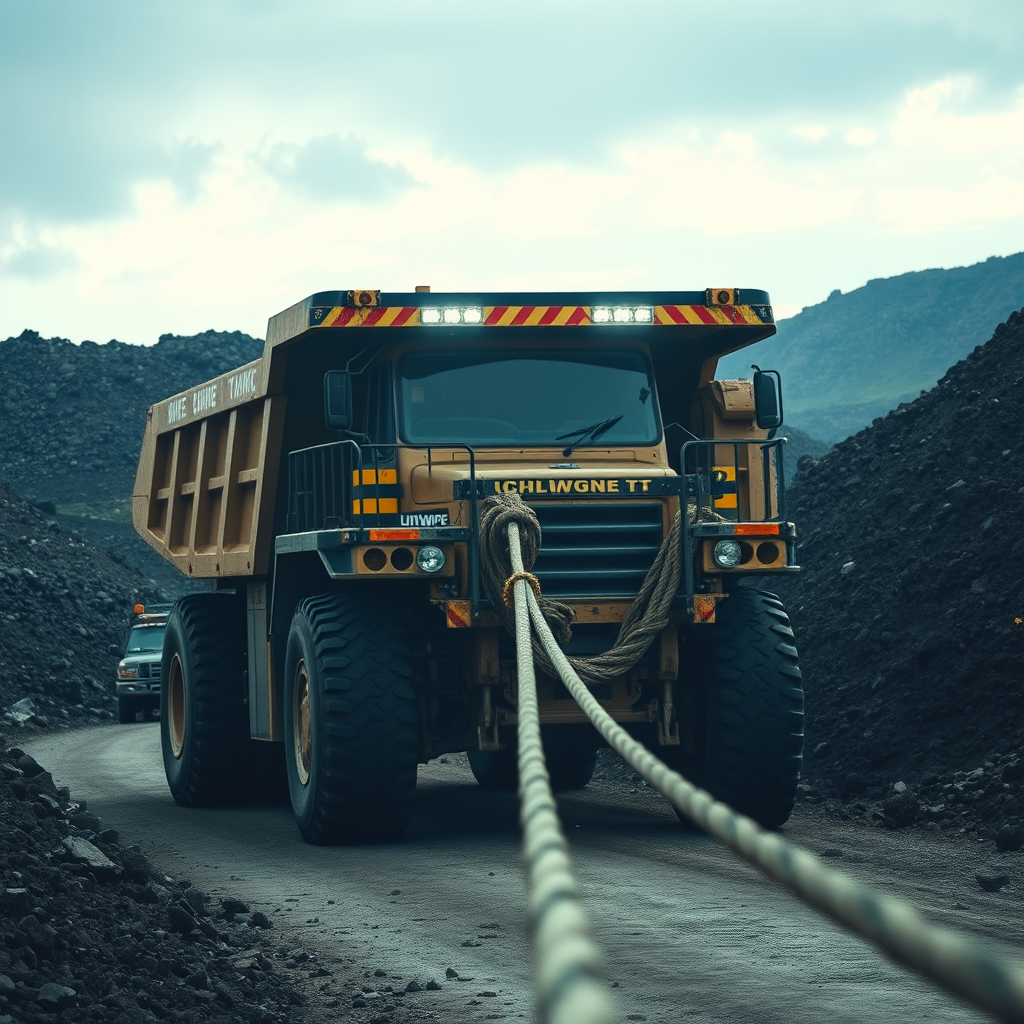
x=648 y=615
x=506 y=591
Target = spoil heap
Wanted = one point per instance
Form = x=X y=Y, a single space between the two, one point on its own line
x=72 y=416
x=89 y=932
x=909 y=611
x=63 y=602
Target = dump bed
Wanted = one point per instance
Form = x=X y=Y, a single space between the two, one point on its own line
x=207 y=489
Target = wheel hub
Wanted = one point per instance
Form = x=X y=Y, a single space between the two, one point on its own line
x=301 y=733
x=175 y=685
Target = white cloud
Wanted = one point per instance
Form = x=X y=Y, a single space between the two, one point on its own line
x=926 y=123
x=810 y=132
x=728 y=192
x=861 y=137
x=921 y=210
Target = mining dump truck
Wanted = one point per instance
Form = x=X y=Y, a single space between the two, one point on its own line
x=331 y=492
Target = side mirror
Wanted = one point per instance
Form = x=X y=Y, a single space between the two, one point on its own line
x=767 y=398
x=114 y=650
x=338 y=400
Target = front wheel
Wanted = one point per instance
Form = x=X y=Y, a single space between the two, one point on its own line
x=742 y=703
x=350 y=723
x=204 y=722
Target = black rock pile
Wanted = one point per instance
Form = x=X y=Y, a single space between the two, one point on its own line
x=72 y=416
x=89 y=932
x=63 y=602
x=909 y=611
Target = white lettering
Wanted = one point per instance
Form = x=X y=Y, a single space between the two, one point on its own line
x=423 y=518
x=175 y=410
x=204 y=399
x=243 y=383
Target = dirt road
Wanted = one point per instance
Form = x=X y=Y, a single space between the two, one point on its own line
x=689 y=931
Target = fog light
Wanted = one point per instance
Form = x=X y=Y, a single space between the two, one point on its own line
x=727 y=554
x=430 y=558
x=401 y=559
x=374 y=559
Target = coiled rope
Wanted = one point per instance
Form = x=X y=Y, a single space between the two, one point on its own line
x=963 y=965
x=648 y=615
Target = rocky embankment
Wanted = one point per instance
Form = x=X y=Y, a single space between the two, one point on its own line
x=90 y=932
x=909 y=610
x=63 y=602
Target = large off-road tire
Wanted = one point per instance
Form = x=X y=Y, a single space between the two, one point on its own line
x=204 y=721
x=350 y=720
x=745 y=700
x=495 y=770
x=568 y=768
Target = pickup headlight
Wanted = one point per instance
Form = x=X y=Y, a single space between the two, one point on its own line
x=126 y=671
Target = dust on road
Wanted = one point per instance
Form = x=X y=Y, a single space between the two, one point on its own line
x=688 y=929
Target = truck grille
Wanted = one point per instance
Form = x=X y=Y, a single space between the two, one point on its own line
x=596 y=550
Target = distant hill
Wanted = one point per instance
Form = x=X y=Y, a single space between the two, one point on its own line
x=854 y=357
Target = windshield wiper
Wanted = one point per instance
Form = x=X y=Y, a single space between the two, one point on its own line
x=591 y=433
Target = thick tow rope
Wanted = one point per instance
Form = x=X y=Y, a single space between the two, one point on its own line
x=963 y=965
x=569 y=986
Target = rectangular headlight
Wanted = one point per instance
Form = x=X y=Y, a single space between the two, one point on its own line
x=622 y=315
x=450 y=315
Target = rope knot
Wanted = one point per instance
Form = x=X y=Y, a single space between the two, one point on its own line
x=506 y=591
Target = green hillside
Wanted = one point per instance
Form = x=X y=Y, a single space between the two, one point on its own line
x=858 y=355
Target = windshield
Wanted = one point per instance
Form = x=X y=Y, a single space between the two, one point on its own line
x=528 y=398
x=146 y=640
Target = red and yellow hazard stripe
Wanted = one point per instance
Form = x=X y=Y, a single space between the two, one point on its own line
x=725 y=315
x=538 y=316
x=371 y=316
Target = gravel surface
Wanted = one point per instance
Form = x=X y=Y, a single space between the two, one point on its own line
x=90 y=932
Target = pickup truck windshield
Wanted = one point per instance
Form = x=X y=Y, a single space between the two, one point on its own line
x=146 y=640
x=527 y=398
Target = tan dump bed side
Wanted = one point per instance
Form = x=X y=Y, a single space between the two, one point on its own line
x=207 y=478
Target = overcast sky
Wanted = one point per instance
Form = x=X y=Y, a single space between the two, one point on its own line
x=177 y=166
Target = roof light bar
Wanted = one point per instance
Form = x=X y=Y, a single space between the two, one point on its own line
x=450 y=315
x=622 y=315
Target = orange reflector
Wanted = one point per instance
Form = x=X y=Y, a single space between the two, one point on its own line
x=756 y=529
x=139 y=609
x=394 y=535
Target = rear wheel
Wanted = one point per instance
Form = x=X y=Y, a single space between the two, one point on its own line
x=204 y=722
x=571 y=768
x=498 y=770
x=350 y=721
x=745 y=704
